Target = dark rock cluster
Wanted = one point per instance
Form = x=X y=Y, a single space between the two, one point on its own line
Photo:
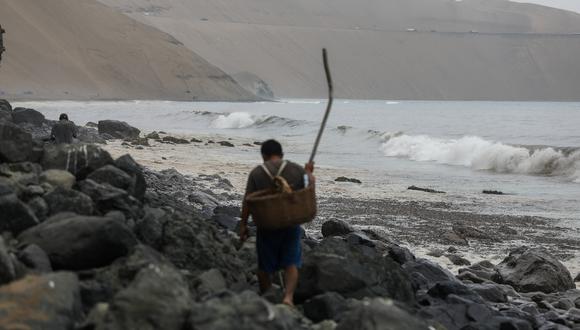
x=92 y=242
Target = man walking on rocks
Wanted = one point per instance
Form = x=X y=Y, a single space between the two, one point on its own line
x=63 y=131
x=277 y=248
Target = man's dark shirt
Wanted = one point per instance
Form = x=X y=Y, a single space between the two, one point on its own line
x=259 y=180
x=64 y=131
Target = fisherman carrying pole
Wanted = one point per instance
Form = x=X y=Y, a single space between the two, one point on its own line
x=280 y=196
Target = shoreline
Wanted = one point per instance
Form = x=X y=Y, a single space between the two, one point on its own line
x=417 y=220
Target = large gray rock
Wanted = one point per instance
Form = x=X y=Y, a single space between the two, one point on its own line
x=81 y=242
x=50 y=301
x=158 y=298
x=5 y=106
x=111 y=175
x=108 y=198
x=326 y=306
x=29 y=116
x=118 y=129
x=39 y=207
x=379 y=314
x=425 y=273
x=33 y=257
x=7 y=268
x=245 y=311
x=336 y=228
x=353 y=271
x=130 y=166
x=68 y=200
x=58 y=178
x=15 y=144
x=15 y=216
x=533 y=269
x=79 y=159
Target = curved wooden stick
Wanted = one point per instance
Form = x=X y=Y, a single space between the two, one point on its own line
x=328 y=106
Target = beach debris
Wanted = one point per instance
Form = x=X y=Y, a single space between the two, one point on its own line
x=345 y=179
x=172 y=139
x=432 y=191
x=493 y=192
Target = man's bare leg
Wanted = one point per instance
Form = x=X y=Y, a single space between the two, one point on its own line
x=290 y=281
x=265 y=281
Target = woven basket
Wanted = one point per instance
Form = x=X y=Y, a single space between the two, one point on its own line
x=273 y=210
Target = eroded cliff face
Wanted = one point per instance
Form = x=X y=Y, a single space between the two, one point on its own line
x=398 y=49
x=82 y=50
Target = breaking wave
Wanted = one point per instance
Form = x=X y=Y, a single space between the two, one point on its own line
x=480 y=154
x=245 y=120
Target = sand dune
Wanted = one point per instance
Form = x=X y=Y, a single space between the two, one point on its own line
x=397 y=49
x=81 y=49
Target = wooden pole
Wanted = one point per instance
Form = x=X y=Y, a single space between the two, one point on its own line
x=328 y=106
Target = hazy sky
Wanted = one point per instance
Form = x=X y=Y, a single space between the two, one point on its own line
x=564 y=4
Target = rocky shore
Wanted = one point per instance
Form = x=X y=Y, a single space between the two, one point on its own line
x=93 y=242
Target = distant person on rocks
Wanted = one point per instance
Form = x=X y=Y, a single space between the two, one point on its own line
x=63 y=131
x=277 y=248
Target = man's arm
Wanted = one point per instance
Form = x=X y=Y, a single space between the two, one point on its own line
x=309 y=168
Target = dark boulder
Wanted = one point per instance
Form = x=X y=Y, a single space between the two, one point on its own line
x=379 y=314
x=458 y=260
x=68 y=200
x=15 y=216
x=108 y=198
x=226 y=144
x=153 y=135
x=33 y=257
x=425 y=273
x=172 y=139
x=226 y=221
x=118 y=129
x=232 y=211
x=78 y=159
x=158 y=298
x=400 y=254
x=7 y=267
x=483 y=269
x=29 y=116
x=111 y=175
x=533 y=269
x=15 y=144
x=5 y=106
x=80 y=242
x=138 y=184
x=50 y=301
x=470 y=232
x=336 y=228
x=326 y=306
x=245 y=311
x=353 y=271
x=490 y=291
x=209 y=283
x=39 y=207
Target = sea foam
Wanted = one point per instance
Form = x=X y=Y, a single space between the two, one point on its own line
x=480 y=154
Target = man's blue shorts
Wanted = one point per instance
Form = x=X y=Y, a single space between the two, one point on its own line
x=278 y=248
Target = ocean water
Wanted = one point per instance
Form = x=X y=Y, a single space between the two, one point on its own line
x=528 y=150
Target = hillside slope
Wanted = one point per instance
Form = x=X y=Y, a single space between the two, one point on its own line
x=82 y=49
x=397 y=49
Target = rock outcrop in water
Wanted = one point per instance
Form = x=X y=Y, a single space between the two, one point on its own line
x=92 y=242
